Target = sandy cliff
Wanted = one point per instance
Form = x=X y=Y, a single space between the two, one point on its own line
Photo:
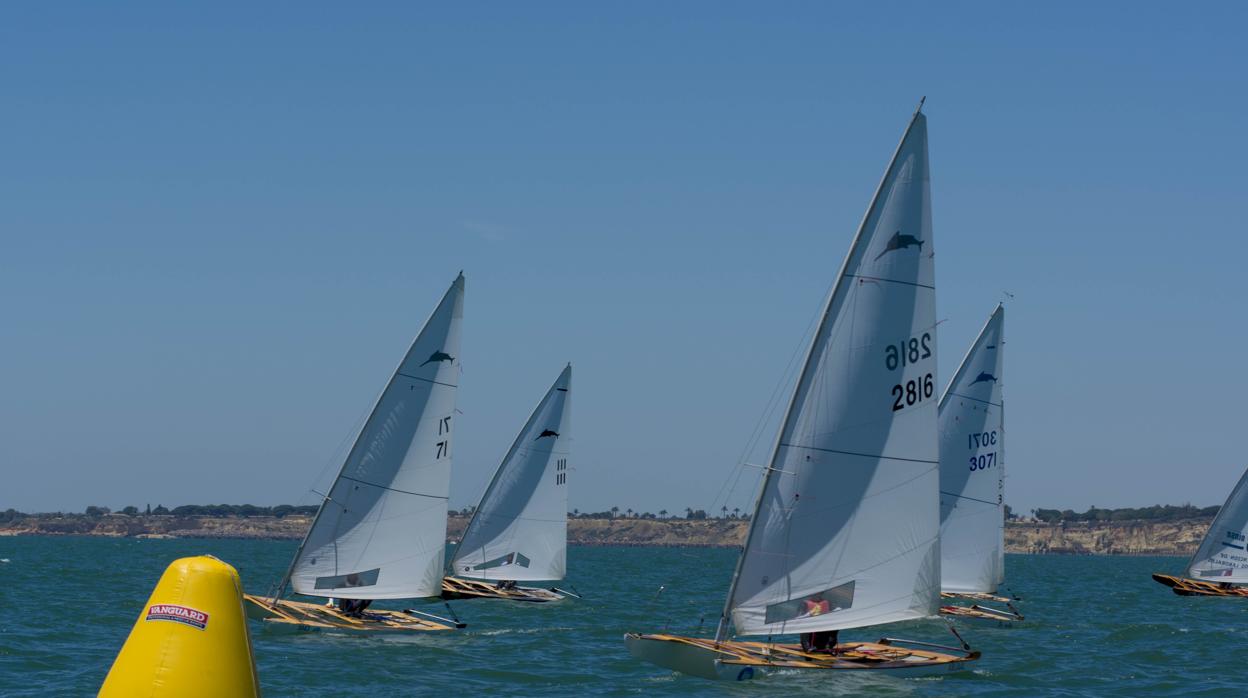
x=1107 y=538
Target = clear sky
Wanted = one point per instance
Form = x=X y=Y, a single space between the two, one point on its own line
x=223 y=223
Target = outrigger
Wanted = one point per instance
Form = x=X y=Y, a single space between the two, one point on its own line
x=1194 y=587
x=845 y=530
x=459 y=588
x=979 y=613
x=381 y=528
x=519 y=530
x=1219 y=566
x=737 y=661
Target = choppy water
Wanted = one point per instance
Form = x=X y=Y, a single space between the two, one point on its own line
x=1096 y=626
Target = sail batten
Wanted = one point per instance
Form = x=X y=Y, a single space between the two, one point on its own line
x=972 y=472
x=519 y=529
x=847 y=537
x=1222 y=555
x=380 y=531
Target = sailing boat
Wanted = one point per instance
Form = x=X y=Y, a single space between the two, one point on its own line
x=1220 y=565
x=380 y=532
x=845 y=532
x=519 y=531
x=972 y=480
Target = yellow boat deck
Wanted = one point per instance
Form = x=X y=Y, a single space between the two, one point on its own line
x=458 y=588
x=319 y=616
x=1194 y=587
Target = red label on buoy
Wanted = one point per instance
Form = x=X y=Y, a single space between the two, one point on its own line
x=178 y=614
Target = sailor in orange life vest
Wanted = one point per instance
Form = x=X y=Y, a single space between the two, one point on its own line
x=823 y=642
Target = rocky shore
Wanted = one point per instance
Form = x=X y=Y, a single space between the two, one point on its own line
x=1100 y=538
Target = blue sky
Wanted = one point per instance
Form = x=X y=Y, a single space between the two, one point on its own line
x=221 y=226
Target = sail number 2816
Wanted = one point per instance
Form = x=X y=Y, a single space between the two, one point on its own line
x=904 y=353
x=912 y=392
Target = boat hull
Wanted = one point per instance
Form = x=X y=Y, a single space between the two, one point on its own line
x=299 y=615
x=459 y=588
x=1194 y=587
x=740 y=661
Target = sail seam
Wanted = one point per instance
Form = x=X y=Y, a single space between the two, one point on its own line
x=894 y=281
x=863 y=455
x=973 y=499
x=392 y=489
x=975 y=399
x=427 y=380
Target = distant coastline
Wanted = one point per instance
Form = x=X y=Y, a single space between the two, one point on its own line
x=1178 y=537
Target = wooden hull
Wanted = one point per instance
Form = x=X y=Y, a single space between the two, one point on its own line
x=975 y=596
x=981 y=615
x=739 y=661
x=459 y=588
x=1194 y=587
x=300 y=615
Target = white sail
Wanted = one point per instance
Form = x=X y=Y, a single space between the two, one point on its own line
x=1222 y=556
x=845 y=533
x=381 y=531
x=972 y=467
x=520 y=529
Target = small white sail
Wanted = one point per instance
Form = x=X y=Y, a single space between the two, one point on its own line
x=520 y=529
x=972 y=467
x=845 y=533
x=1222 y=555
x=381 y=531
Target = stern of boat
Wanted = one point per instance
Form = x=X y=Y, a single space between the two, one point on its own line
x=258 y=608
x=674 y=653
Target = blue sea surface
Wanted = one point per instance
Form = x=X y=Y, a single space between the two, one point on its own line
x=1096 y=626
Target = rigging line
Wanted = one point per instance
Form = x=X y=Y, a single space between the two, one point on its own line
x=427 y=380
x=962 y=496
x=726 y=490
x=337 y=455
x=383 y=487
x=891 y=281
x=863 y=455
x=975 y=399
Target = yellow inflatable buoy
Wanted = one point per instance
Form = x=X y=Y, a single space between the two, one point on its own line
x=190 y=639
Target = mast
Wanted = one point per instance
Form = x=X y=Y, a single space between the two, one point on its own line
x=721 y=631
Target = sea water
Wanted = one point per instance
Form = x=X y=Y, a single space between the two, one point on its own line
x=1096 y=626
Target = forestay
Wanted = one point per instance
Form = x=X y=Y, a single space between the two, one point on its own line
x=972 y=467
x=1221 y=556
x=520 y=529
x=381 y=531
x=845 y=530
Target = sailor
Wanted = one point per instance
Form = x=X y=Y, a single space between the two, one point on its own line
x=824 y=641
x=353 y=607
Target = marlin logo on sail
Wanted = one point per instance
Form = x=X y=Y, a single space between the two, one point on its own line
x=900 y=242
x=438 y=356
x=547 y=432
x=984 y=377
